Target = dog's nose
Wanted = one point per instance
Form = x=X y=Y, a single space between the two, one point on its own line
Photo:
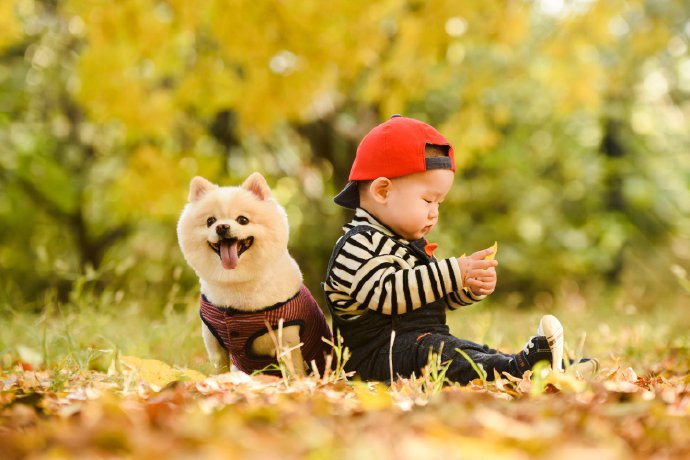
x=222 y=229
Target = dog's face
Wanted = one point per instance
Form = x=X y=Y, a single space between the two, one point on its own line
x=227 y=233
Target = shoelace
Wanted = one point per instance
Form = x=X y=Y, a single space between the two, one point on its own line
x=528 y=346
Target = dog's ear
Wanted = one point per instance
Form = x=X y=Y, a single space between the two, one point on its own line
x=256 y=184
x=199 y=187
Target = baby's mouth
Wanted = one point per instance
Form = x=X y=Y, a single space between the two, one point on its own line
x=230 y=249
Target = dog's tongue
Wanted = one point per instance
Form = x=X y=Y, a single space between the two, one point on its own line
x=228 y=254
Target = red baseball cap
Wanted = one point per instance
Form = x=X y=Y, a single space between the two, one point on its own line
x=393 y=149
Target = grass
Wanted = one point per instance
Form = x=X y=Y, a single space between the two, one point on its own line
x=646 y=339
x=82 y=407
x=85 y=334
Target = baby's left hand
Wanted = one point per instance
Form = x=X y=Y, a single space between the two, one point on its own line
x=483 y=285
x=481 y=281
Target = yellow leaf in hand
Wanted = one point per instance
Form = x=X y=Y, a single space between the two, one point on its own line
x=493 y=255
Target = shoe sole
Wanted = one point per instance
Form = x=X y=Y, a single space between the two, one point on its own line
x=551 y=328
x=585 y=369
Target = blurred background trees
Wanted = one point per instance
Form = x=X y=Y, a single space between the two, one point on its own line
x=570 y=119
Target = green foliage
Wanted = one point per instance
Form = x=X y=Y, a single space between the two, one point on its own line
x=569 y=120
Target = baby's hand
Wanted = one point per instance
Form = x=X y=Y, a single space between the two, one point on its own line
x=479 y=275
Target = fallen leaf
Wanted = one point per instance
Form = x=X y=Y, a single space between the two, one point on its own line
x=158 y=373
x=373 y=396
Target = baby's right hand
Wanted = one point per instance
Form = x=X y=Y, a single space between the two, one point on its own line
x=479 y=275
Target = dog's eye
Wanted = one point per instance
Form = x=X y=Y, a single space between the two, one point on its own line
x=210 y=221
x=242 y=220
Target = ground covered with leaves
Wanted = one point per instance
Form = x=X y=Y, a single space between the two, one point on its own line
x=145 y=408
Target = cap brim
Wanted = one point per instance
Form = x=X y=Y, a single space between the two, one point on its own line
x=349 y=196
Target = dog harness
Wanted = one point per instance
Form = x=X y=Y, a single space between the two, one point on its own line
x=236 y=330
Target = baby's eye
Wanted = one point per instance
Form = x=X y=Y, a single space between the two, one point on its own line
x=210 y=221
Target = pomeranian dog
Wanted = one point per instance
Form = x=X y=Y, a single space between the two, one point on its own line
x=253 y=302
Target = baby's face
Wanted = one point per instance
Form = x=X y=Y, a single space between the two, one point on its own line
x=413 y=202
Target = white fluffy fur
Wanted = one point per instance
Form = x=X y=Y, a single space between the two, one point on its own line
x=266 y=273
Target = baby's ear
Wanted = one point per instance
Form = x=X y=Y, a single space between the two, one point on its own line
x=256 y=184
x=380 y=188
x=199 y=187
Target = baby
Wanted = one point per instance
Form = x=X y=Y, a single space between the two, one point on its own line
x=387 y=293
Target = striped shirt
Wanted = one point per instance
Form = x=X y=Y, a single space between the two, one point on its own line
x=377 y=270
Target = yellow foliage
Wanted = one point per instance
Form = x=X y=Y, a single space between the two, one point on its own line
x=472 y=130
x=212 y=87
x=157 y=173
x=267 y=61
x=187 y=13
x=146 y=62
x=156 y=372
x=130 y=50
x=513 y=25
x=10 y=25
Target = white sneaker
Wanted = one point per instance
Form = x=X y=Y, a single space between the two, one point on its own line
x=551 y=328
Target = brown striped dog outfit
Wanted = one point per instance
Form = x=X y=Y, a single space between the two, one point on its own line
x=236 y=330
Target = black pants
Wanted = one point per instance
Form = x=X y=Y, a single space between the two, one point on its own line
x=411 y=352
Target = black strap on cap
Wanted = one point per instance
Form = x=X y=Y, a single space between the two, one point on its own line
x=438 y=163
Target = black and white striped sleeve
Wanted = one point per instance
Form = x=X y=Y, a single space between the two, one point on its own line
x=462 y=298
x=390 y=285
